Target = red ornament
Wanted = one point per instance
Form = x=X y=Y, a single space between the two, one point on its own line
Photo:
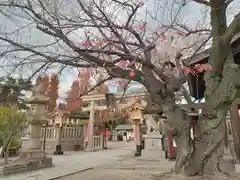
x=142 y=27
x=132 y=74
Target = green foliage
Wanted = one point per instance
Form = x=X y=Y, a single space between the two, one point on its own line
x=82 y=122
x=12 y=122
x=12 y=91
x=112 y=124
x=15 y=143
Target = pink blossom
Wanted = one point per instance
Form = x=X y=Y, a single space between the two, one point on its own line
x=86 y=44
x=142 y=27
x=164 y=37
x=180 y=33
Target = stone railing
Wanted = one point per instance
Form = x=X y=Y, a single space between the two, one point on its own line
x=72 y=138
x=114 y=136
x=97 y=143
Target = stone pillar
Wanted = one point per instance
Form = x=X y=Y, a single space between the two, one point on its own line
x=58 y=150
x=36 y=119
x=137 y=137
x=91 y=127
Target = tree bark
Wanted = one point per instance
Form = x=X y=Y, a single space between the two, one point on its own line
x=235 y=125
x=7 y=149
x=202 y=155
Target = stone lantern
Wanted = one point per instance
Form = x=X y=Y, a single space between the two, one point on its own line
x=136 y=114
x=37 y=116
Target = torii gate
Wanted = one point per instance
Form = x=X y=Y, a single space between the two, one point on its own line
x=127 y=106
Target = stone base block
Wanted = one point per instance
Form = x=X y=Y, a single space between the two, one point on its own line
x=23 y=166
x=138 y=150
x=58 y=150
x=237 y=168
x=58 y=153
x=152 y=155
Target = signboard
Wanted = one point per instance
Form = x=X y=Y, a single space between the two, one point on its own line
x=174 y=143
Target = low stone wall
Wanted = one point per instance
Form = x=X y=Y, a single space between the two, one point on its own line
x=25 y=166
x=72 y=138
x=114 y=135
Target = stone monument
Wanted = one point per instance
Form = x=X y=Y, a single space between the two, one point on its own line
x=153 y=147
x=32 y=156
x=153 y=143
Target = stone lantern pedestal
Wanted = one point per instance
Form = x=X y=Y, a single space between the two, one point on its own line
x=135 y=113
x=136 y=125
x=153 y=147
x=58 y=150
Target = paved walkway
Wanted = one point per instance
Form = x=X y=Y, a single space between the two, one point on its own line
x=77 y=161
x=128 y=168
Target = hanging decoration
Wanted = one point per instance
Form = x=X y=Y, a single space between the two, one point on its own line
x=198 y=68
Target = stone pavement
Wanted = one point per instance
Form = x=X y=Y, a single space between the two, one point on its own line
x=130 y=168
x=126 y=168
x=76 y=162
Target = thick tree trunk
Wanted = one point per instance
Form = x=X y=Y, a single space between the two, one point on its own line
x=235 y=125
x=202 y=155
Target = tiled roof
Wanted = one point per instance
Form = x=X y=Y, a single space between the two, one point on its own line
x=204 y=54
x=124 y=127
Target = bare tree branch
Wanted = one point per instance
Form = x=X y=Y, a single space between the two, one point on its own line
x=233 y=29
x=203 y=2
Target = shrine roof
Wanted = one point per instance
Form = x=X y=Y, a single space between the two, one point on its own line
x=123 y=127
x=202 y=57
x=77 y=113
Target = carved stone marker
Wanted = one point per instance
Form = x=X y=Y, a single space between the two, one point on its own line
x=153 y=147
